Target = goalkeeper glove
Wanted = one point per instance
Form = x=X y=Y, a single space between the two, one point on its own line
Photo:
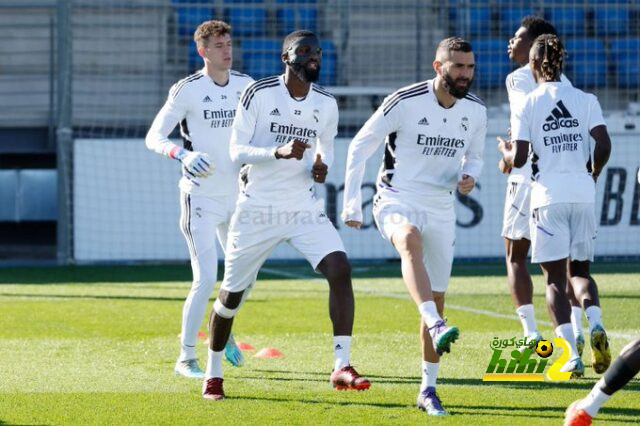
x=196 y=163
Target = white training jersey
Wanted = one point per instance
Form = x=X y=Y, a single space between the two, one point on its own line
x=269 y=117
x=556 y=119
x=519 y=84
x=205 y=112
x=426 y=145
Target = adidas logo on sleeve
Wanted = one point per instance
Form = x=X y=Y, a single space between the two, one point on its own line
x=559 y=117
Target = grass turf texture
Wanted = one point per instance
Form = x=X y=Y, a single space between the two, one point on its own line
x=97 y=345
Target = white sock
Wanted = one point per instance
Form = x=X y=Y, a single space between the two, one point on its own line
x=565 y=331
x=214 y=365
x=187 y=352
x=341 y=351
x=528 y=319
x=576 y=320
x=596 y=399
x=429 y=313
x=429 y=374
x=594 y=316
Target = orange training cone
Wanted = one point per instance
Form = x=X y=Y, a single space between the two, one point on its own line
x=245 y=346
x=269 y=353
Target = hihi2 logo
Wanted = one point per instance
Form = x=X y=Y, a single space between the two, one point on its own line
x=524 y=366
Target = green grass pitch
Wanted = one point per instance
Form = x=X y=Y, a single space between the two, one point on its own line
x=97 y=345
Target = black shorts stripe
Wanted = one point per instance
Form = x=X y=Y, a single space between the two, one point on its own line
x=390 y=105
x=186 y=224
x=179 y=85
x=255 y=87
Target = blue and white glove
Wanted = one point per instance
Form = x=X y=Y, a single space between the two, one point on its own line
x=196 y=163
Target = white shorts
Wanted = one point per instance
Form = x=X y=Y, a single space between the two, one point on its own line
x=565 y=230
x=515 y=222
x=434 y=216
x=201 y=219
x=256 y=230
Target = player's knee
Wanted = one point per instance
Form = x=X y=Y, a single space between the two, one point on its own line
x=204 y=283
x=227 y=303
x=336 y=267
x=408 y=240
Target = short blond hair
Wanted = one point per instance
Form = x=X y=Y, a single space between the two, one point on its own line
x=210 y=29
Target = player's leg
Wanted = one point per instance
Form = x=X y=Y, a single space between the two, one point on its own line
x=560 y=311
x=439 y=240
x=199 y=232
x=517 y=236
x=621 y=372
x=248 y=246
x=550 y=248
x=576 y=313
x=583 y=233
x=428 y=399
x=232 y=352
x=320 y=243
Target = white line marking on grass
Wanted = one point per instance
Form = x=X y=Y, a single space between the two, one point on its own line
x=449 y=306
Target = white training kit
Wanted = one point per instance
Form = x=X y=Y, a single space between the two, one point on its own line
x=277 y=201
x=515 y=224
x=428 y=150
x=205 y=112
x=556 y=119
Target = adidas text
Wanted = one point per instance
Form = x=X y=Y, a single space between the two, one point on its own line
x=556 y=124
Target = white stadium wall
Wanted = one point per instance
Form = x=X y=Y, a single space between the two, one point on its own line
x=125 y=203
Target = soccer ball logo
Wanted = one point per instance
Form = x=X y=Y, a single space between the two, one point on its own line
x=544 y=348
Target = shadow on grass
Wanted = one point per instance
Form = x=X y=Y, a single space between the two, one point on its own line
x=319 y=401
x=278 y=270
x=103 y=297
x=539 y=412
x=584 y=384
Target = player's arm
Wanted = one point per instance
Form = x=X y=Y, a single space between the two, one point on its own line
x=172 y=112
x=363 y=145
x=518 y=88
x=324 y=148
x=599 y=133
x=473 y=159
x=243 y=129
x=515 y=152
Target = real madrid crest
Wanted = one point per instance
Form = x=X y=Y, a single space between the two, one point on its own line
x=464 y=124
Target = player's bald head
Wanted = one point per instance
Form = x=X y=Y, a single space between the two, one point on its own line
x=451 y=44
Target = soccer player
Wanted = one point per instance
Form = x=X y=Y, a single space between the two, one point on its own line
x=434 y=133
x=623 y=369
x=283 y=133
x=515 y=225
x=204 y=104
x=557 y=121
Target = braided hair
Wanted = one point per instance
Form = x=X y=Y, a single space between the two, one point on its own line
x=549 y=54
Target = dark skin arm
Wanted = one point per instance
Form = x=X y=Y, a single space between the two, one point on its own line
x=319 y=170
x=293 y=149
x=602 y=150
x=514 y=153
